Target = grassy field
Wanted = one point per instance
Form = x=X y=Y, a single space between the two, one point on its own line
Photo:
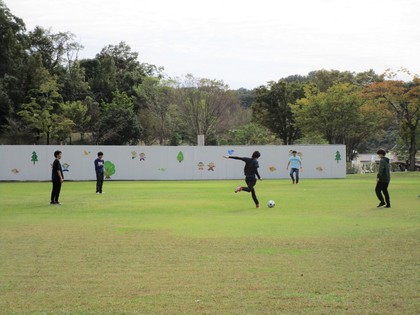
x=196 y=247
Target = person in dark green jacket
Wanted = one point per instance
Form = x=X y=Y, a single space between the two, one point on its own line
x=382 y=180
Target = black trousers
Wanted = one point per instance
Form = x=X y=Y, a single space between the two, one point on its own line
x=251 y=182
x=55 y=193
x=380 y=188
x=99 y=181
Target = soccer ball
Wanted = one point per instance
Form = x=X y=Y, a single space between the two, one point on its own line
x=271 y=203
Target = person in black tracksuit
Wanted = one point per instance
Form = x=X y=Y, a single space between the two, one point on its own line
x=382 y=180
x=251 y=174
x=57 y=178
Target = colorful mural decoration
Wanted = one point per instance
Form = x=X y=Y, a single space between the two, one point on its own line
x=162 y=169
x=86 y=153
x=337 y=156
x=65 y=167
x=272 y=169
x=200 y=166
x=133 y=155
x=109 y=169
x=14 y=171
x=180 y=157
x=230 y=152
x=211 y=166
x=34 y=158
x=319 y=168
x=142 y=156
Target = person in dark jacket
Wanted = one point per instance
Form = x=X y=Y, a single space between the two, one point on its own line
x=251 y=174
x=57 y=179
x=382 y=180
x=99 y=169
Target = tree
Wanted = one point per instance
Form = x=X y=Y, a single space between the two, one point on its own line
x=206 y=106
x=250 y=134
x=156 y=98
x=272 y=108
x=74 y=84
x=13 y=45
x=118 y=124
x=402 y=98
x=246 y=97
x=76 y=112
x=340 y=115
x=57 y=51
x=116 y=68
x=324 y=79
x=40 y=113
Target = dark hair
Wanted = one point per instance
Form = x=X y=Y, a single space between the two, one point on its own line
x=381 y=152
x=256 y=155
x=56 y=153
x=294 y=151
x=100 y=153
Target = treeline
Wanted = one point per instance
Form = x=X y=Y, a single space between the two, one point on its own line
x=48 y=95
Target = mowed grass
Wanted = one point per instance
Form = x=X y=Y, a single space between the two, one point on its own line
x=196 y=247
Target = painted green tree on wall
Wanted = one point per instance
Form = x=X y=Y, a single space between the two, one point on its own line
x=180 y=157
x=337 y=156
x=109 y=169
x=34 y=157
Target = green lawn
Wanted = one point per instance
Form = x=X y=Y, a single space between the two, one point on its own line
x=196 y=247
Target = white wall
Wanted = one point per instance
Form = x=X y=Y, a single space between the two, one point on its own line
x=161 y=163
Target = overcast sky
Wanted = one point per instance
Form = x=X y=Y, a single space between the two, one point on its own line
x=244 y=43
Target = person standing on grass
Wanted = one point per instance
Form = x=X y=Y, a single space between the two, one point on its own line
x=57 y=178
x=382 y=180
x=296 y=164
x=99 y=169
x=251 y=174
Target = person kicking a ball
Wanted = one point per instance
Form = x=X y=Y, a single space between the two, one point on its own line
x=251 y=174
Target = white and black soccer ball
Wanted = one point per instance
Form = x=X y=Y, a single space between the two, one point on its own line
x=271 y=204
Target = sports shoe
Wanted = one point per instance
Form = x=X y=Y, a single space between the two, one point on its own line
x=97 y=192
x=57 y=203
x=388 y=206
x=238 y=189
x=381 y=204
x=258 y=205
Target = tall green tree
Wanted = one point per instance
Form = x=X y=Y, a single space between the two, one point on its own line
x=403 y=99
x=44 y=100
x=250 y=134
x=339 y=115
x=324 y=79
x=116 y=67
x=118 y=123
x=76 y=112
x=272 y=108
x=58 y=51
x=13 y=46
x=156 y=99
x=207 y=107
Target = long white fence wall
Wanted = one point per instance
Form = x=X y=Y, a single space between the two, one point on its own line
x=22 y=163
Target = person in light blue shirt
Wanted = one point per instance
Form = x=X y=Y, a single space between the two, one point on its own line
x=296 y=164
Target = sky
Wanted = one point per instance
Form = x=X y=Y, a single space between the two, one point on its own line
x=244 y=43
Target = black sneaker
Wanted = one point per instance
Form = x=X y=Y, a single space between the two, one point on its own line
x=381 y=204
x=388 y=206
x=52 y=203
